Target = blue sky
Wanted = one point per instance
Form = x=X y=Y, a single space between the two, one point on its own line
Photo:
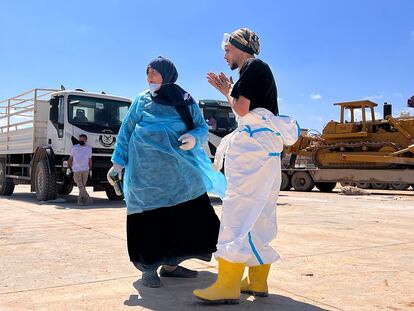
x=321 y=51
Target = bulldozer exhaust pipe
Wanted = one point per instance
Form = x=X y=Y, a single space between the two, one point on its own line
x=387 y=110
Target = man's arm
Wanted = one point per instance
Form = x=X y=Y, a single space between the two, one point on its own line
x=239 y=105
x=70 y=161
x=90 y=158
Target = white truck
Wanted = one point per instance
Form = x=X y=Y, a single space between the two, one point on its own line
x=38 y=129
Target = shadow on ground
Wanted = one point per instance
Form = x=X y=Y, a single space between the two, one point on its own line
x=176 y=294
x=71 y=201
x=67 y=201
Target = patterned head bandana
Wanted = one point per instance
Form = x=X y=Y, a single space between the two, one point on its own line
x=244 y=39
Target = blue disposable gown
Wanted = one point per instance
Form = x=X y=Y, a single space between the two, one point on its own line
x=157 y=172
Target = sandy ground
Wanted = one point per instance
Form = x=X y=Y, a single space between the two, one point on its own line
x=338 y=253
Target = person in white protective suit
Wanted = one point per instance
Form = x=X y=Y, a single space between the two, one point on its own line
x=167 y=176
x=253 y=172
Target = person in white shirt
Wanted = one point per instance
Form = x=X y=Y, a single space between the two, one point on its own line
x=80 y=161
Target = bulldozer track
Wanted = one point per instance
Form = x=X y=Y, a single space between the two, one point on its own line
x=335 y=147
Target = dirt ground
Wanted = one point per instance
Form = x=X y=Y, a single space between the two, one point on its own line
x=338 y=253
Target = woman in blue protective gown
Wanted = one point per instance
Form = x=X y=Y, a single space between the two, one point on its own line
x=167 y=175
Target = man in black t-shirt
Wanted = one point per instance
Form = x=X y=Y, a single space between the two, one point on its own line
x=256 y=86
x=256 y=83
x=252 y=169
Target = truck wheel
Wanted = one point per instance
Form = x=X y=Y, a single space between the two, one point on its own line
x=363 y=185
x=412 y=186
x=110 y=193
x=325 y=186
x=45 y=183
x=379 y=185
x=399 y=186
x=285 y=184
x=302 y=181
x=6 y=184
x=64 y=189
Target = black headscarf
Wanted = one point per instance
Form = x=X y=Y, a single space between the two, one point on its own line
x=170 y=94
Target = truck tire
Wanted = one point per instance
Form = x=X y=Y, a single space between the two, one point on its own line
x=6 y=184
x=64 y=189
x=379 y=185
x=110 y=193
x=45 y=183
x=396 y=186
x=325 y=186
x=363 y=185
x=302 y=181
x=286 y=183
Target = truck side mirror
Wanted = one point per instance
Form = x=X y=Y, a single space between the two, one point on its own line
x=54 y=101
x=54 y=109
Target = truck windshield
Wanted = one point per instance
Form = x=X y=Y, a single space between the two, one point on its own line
x=96 y=114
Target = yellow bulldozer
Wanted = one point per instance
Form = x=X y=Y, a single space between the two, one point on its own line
x=368 y=143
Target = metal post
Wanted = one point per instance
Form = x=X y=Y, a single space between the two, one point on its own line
x=8 y=115
x=364 y=121
x=8 y=124
x=34 y=118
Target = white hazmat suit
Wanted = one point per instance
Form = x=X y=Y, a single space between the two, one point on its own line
x=253 y=172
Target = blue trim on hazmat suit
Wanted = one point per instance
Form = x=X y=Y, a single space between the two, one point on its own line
x=157 y=172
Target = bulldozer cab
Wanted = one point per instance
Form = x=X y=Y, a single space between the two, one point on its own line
x=350 y=127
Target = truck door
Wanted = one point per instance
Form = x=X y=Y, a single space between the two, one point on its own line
x=56 y=131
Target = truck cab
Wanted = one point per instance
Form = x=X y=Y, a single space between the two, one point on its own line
x=99 y=116
x=72 y=113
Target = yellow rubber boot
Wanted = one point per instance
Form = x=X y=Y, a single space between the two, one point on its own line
x=226 y=289
x=256 y=282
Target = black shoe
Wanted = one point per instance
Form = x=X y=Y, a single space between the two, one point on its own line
x=179 y=272
x=151 y=279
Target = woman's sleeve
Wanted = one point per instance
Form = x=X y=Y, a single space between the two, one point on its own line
x=133 y=116
x=200 y=130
